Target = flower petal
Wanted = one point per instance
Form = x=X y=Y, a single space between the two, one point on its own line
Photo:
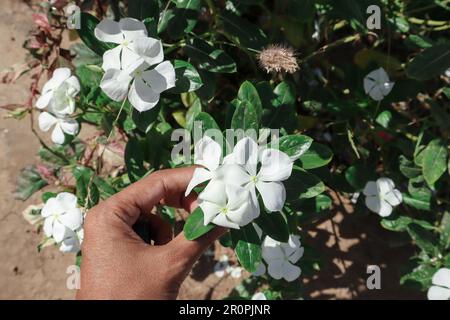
x=245 y=153
x=59 y=231
x=115 y=84
x=375 y=204
x=438 y=293
x=59 y=76
x=67 y=200
x=275 y=165
x=52 y=207
x=161 y=78
x=371 y=189
x=48 y=226
x=69 y=126
x=109 y=31
x=385 y=185
x=207 y=153
x=259 y=296
x=72 y=219
x=221 y=220
x=210 y=211
x=290 y=272
x=214 y=192
x=273 y=194
x=129 y=57
x=271 y=250
x=44 y=100
x=149 y=49
x=142 y=97
x=200 y=175
x=46 y=121
x=132 y=28
x=70 y=244
x=73 y=86
x=261 y=270
x=442 y=278
x=394 y=198
x=275 y=269
x=111 y=59
x=58 y=134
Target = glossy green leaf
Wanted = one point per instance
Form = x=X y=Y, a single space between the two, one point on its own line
x=248 y=247
x=188 y=78
x=245 y=117
x=194 y=226
x=293 y=145
x=273 y=224
x=208 y=57
x=434 y=161
x=318 y=155
x=303 y=185
x=430 y=63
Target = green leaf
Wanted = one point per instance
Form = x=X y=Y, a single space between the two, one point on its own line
x=192 y=113
x=408 y=168
x=142 y=9
x=284 y=94
x=208 y=57
x=301 y=10
x=424 y=239
x=419 y=41
x=134 y=160
x=445 y=230
x=422 y=275
x=273 y=224
x=244 y=32
x=303 y=185
x=434 y=161
x=318 y=155
x=384 y=118
x=402 y=222
x=28 y=182
x=86 y=33
x=194 y=226
x=188 y=79
x=358 y=175
x=144 y=120
x=248 y=247
x=207 y=121
x=429 y=63
x=248 y=92
x=180 y=20
x=293 y=145
x=245 y=117
x=47 y=195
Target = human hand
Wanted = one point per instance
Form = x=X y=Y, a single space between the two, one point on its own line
x=118 y=264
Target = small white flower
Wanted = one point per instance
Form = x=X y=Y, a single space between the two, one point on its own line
x=259 y=296
x=146 y=85
x=377 y=84
x=59 y=93
x=276 y=166
x=62 y=125
x=221 y=267
x=133 y=44
x=381 y=196
x=62 y=217
x=441 y=285
x=447 y=73
x=281 y=257
x=226 y=205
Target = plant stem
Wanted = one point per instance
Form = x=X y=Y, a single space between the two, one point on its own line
x=330 y=46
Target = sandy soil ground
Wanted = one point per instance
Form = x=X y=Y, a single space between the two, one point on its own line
x=348 y=245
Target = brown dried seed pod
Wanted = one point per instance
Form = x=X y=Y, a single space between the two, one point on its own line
x=277 y=58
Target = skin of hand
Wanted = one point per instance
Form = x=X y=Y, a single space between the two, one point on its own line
x=118 y=264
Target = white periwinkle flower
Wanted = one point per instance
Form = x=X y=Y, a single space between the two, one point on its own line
x=208 y=154
x=281 y=257
x=381 y=196
x=259 y=296
x=146 y=85
x=235 y=272
x=63 y=218
x=72 y=243
x=59 y=93
x=441 y=285
x=61 y=125
x=276 y=166
x=377 y=84
x=226 y=205
x=133 y=44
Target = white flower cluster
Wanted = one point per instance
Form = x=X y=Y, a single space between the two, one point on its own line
x=230 y=198
x=381 y=196
x=440 y=290
x=58 y=96
x=377 y=84
x=64 y=221
x=129 y=63
x=281 y=258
